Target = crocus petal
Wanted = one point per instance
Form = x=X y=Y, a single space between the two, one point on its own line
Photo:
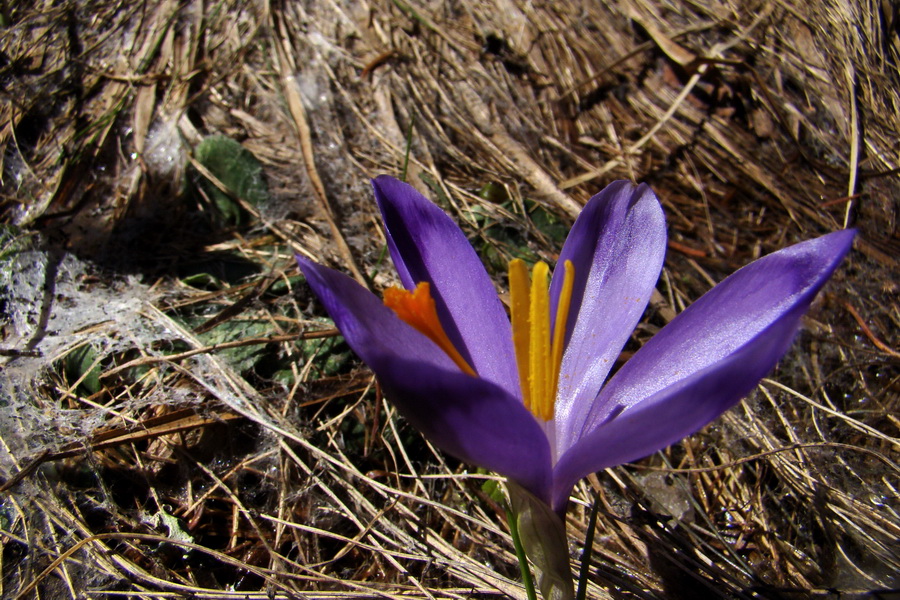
x=617 y=247
x=671 y=414
x=469 y=417
x=704 y=361
x=426 y=245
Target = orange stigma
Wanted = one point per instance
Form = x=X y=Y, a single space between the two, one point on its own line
x=417 y=309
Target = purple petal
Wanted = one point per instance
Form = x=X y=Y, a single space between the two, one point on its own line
x=617 y=247
x=468 y=417
x=426 y=245
x=671 y=414
x=704 y=361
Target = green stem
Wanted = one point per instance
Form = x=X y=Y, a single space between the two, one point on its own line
x=588 y=551
x=527 y=581
x=409 y=132
x=412 y=14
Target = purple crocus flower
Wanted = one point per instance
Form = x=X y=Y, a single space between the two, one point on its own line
x=531 y=401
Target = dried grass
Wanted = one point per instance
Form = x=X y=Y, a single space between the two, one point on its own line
x=193 y=471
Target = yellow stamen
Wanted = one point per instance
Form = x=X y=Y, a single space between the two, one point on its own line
x=417 y=308
x=519 y=303
x=539 y=346
x=559 y=328
x=538 y=349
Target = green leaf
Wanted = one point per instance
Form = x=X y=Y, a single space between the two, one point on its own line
x=546 y=222
x=243 y=358
x=237 y=169
x=440 y=198
x=543 y=536
x=331 y=355
x=492 y=488
x=493 y=192
x=82 y=363
x=214 y=271
x=281 y=286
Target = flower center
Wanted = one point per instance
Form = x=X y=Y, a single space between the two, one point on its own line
x=417 y=308
x=538 y=346
x=538 y=349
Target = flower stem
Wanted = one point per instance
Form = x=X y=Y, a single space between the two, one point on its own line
x=409 y=132
x=588 y=551
x=527 y=581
